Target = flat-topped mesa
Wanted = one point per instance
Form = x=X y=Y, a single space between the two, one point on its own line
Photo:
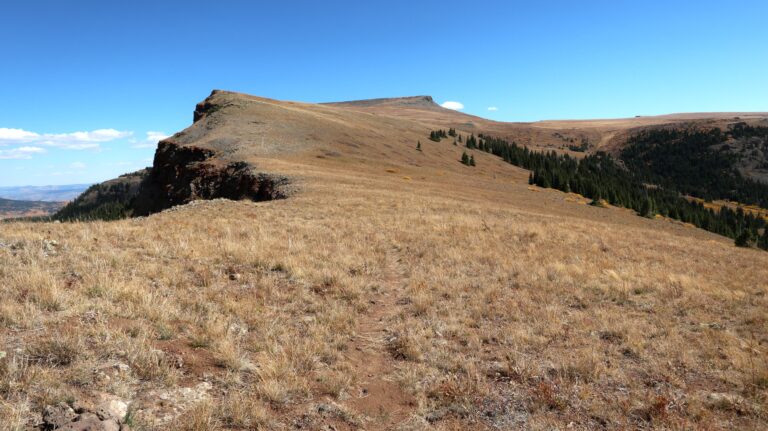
x=409 y=101
x=245 y=147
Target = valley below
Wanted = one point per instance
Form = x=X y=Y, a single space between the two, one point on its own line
x=18 y=208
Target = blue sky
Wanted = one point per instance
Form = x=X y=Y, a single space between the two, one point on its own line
x=88 y=87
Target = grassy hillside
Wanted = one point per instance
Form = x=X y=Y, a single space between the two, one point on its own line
x=392 y=289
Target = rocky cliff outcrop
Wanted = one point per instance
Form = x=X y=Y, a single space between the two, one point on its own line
x=181 y=174
x=208 y=160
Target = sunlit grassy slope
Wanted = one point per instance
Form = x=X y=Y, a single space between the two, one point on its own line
x=394 y=289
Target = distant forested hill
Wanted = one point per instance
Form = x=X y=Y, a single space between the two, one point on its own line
x=709 y=164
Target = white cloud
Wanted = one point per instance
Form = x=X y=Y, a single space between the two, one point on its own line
x=456 y=106
x=152 y=139
x=493 y=108
x=69 y=141
x=16 y=135
x=20 y=153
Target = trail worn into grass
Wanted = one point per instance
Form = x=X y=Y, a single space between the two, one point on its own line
x=378 y=396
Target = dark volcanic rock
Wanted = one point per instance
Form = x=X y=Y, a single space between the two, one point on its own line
x=181 y=174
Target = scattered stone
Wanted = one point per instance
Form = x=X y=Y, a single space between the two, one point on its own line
x=161 y=407
x=107 y=417
x=91 y=422
x=113 y=409
x=122 y=368
x=237 y=329
x=728 y=402
x=91 y=316
x=102 y=377
x=50 y=247
x=58 y=416
x=499 y=371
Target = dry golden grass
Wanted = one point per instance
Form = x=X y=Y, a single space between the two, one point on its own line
x=357 y=304
x=396 y=289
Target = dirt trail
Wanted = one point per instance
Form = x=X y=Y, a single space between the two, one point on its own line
x=378 y=396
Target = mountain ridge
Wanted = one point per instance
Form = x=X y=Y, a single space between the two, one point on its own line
x=242 y=146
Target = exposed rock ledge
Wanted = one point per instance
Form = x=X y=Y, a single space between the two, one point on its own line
x=181 y=174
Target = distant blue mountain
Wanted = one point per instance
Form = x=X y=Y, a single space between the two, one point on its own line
x=43 y=193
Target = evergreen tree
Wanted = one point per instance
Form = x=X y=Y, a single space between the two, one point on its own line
x=471 y=142
x=745 y=239
x=646 y=207
x=472 y=160
x=418 y=145
x=597 y=176
x=764 y=240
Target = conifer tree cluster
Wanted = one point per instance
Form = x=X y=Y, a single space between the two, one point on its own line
x=101 y=202
x=599 y=177
x=696 y=162
x=437 y=135
x=471 y=142
x=467 y=159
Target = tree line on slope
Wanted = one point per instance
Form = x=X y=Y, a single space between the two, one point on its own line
x=438 y=135
x=106 y=201
x=601 y=178
x=696 y=162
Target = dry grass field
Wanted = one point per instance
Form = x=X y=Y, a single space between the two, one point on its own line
x=411 y=294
